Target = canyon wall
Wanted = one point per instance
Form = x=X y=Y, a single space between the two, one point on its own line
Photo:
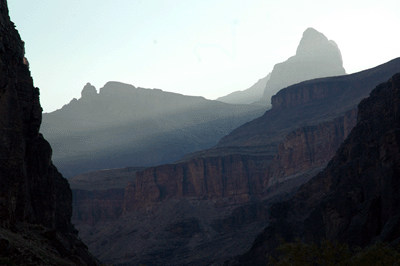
x=309 y=103
x=91 y=207
x=226 y=180
x=310 y=147
x=355 y=199
x=227 y=190
x=32 y=191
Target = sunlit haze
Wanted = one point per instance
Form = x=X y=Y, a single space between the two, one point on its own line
x=203 y=48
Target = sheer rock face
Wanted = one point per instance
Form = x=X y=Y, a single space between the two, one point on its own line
x=228 y=180
x=26 y=178
x=356 y=198
x=32 y=191
x=316 y=57
x=310 y=147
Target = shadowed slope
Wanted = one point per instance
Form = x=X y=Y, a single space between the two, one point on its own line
x=355 y=199
x=127 y=126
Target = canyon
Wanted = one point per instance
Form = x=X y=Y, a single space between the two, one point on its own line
x=209 y=206
x=322 y=163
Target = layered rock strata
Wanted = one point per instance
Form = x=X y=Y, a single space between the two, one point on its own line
x=222 y=191
x=309 y=103
x=310 y=147
x=355 y=199
x=230 y=179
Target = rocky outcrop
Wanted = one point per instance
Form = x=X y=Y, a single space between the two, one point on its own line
x=355 y=199
x=88 y=92
x=316 y=57
x=32 y=191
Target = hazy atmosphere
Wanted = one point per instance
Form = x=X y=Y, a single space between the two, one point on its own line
x=176 y=133
x=207 y=48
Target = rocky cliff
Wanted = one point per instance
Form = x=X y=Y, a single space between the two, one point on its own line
x=309 y=103
x=355 y=199
x=310 y=147
x=35 y=200
x=227 y=180
x=219 y=203
x=316 y=57
x=99 y=196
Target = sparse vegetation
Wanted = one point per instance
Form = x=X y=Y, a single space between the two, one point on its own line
x=334 y=254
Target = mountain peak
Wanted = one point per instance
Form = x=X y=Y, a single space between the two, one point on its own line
x=314 y=44
x=315 y=57
x=88 y=91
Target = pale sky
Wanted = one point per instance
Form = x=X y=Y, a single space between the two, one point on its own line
x=194 y=47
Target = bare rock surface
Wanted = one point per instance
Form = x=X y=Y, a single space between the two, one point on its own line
x=35 y=200
x=355 y=199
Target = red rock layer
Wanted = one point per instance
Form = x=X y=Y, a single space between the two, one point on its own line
x=310 y=147
x=227 y=180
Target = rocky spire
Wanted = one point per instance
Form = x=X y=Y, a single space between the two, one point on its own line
x=316 y=57
x=88 y=91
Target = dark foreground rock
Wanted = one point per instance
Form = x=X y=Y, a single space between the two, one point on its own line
x=35 y=200
x=355 y=200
